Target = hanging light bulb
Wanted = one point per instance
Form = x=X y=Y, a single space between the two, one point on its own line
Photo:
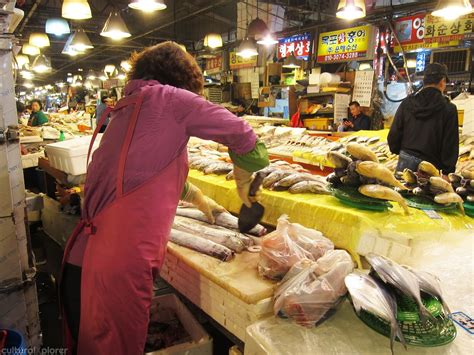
x=452 y=9
x=350 y=9
x=147 y=5
x=76 y=10
x=79 y=41
x=213 y=40
x=28 y=49
x=125 y=65
x=291 y=62
x=247 y=48
x=109 y=70
x=39 y=40
x=57 y=26
x=22 y=60
x=41 y=64
x=115 y=27
x=91 y=75
x=268 y=40
x=68 y=50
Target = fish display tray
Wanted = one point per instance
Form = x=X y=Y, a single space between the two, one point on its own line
x=469 y=209
x=350 y=196
x=425 y=203
x=416 y=333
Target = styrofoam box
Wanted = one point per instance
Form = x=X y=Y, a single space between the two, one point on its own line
x=201 y=343
x=71 y=156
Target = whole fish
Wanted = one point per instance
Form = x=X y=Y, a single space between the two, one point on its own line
x=224 y=219
x=218 y=168
x=430 y=284
x=338 y=160
x=274 y=177
x=362 y=139
x=450 y=197
x=361 y=152
x=428 y=169
x=223 y=237
x=292 y=179
x=384 y=193
x=309 y=186
x=442 y=184
x=373 y=140
x=455 y=178
x=377 y=171
x=370 y=296
x=468 y=174
x=400 y=278
x=201 y=245
x=196 y=163
x=409 y=176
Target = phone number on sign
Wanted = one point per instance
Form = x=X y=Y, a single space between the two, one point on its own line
x=341 y=56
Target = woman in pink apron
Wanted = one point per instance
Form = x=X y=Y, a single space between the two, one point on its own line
x=134 y=183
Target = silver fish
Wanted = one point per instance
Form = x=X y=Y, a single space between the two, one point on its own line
x=310 y=186
x=218 y=168
x=224 y=219
x=430 y=284
x=399 y=277
x=274 y=177
x=223 y=237
x=295 y=178
x=201 y=245
x=370 y=296
x=195 y=163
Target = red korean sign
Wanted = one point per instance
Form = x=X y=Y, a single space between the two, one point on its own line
x=214 y=65
x=410 y=31
x=299 y=45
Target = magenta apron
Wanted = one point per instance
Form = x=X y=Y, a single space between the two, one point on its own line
x=125 y=249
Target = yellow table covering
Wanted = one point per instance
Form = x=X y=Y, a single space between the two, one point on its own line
x=390 y=233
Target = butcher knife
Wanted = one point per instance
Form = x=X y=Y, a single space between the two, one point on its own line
x=249 y=217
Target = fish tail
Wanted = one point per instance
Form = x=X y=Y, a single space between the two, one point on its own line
x=426 y=315
x=400 y=336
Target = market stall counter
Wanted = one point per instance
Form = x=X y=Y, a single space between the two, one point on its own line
x=389 y=233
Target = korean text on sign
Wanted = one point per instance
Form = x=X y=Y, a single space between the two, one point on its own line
x=298 y=45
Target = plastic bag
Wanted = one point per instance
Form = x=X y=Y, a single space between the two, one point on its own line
x=279 y=252
x=310 y=239
x=310 y=289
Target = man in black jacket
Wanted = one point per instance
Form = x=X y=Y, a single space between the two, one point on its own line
x=425 y=126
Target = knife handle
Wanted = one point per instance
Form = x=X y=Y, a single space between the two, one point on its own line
x=256 y=183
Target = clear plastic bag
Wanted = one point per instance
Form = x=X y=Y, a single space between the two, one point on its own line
x=310 y=239
x=311 y=289
x=279 y=252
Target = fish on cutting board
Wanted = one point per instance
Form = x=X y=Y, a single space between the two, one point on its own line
x=201 y=245
x=368 y=295
x=224 y=219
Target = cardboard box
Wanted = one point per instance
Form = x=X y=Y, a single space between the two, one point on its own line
x=165 y=308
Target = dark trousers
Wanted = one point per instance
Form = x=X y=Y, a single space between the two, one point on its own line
x=71 y=298
x=407 y=161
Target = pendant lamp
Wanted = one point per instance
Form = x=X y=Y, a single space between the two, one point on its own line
x=350 y=9
x=213 y=40
x=147 y=5
x=452 y=9
x=268 y=40
x=115 y=27
x=39 y=40
x=57 y=26
x=22 y=60
x=76 y=10
x=68 y=50
x=291 y=62
x=41 y=64
x=28 y=49
x=109 y=70
x=125 y=65
x=80 y=42
x=257 y=29
x=247 y=48
x=91 y=75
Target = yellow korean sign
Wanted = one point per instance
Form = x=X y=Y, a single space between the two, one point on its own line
x=350 y=43
x=236 y=62
x=441 y=31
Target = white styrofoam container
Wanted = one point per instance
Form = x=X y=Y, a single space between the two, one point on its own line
x=71 y=156
x=201 y=343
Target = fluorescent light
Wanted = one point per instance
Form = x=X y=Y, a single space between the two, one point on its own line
x=147 y=5
x=57 y=26
x=350 y=9
x=115 y=27
x=76 y=10
x=452 y=9
x=28 y=49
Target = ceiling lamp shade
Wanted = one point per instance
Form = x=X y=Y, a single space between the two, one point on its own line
x=268 y=40
x=68 y=50
x=452 y=9
x=80 y=42
x=115 y=27
x=247 y=48
x=291 y=62
x=76 y=10
x=28 y=49
x=213 y=40
x=147 y=5
x=91 y=75
x=41 y=64
x=257 y=29
x=57 y=26
x=109 y=70
x=125 y=65
x=39 y=40
x=22 y=60
x=350 y=9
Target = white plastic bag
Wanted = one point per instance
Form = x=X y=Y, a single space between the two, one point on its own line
x=310 y=289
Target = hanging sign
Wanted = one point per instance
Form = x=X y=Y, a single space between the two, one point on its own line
x=441 y=31
x=214 y=65
x=410 y=31
x=340 y=46
x=237 y=62
x=420 y=62
x=299 y=45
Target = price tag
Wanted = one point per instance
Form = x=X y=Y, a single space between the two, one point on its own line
x=432 y=214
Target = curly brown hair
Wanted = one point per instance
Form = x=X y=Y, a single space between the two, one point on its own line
x=168 y=63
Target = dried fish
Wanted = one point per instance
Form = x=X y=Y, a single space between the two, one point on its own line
x=218 y=168
x=309 y=186
x=275 y=176
x=379 y=172
x=338 y=160
x=428 y=169
x=201 y=245
x=292 y=179
x=384 y=193
x=450 y=197
x=361 y=152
